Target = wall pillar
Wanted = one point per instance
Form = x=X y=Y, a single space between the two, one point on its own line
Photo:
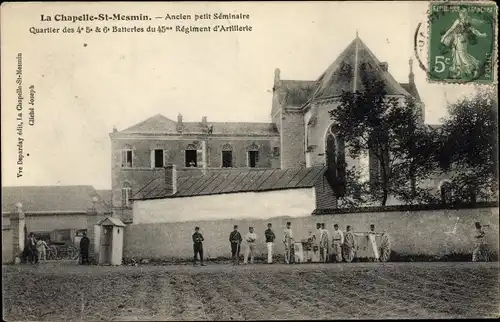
x=18 y=225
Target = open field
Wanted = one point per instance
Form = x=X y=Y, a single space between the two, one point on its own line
x=64 y=291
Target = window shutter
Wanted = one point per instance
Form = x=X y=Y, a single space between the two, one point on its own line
x=124 y=158
x=199 y=158
x=152 y=156
x=256 y=157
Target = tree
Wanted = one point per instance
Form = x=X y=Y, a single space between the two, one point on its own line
x=389 y=128
x=469 y=148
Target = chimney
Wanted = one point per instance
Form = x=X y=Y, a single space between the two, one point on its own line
x=179 y=123
x=384 y=66
x=204 y=121
x=277 y=78
x=171 y=179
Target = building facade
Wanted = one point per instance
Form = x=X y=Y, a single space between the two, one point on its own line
x=298 y=136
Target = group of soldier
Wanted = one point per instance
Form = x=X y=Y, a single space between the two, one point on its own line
x=36 y=249
x=343 y=244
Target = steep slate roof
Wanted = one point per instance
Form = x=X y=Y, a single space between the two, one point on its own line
x=236 y=181
x=160 y=124
x=52 y=199
x=297 y=92
x=346 y=71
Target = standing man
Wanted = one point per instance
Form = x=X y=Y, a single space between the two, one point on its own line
x=323 y=243
x=84 y=248
x=373 y=243
x=198 y=245
x=33 y=255
x=235 y=240
x=288 y=241
x=337 y=242
x=250 y=238
x=270 y=237
x=349 y=245
x=480 y=253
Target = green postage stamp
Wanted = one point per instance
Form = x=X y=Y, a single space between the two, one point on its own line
x=462 y=42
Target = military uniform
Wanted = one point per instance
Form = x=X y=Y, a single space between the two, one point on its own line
x=235 y=240
x=270 y=237
x=337 y=242
x=198 y=246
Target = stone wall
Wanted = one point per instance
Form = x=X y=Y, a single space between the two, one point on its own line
x=411 y=233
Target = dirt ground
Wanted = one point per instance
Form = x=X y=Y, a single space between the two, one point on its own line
x=65 y=291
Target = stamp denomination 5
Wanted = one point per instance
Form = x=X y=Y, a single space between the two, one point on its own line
x=462 y=42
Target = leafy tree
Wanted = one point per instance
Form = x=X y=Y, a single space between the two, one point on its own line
x=390 y=129
x=469 y=148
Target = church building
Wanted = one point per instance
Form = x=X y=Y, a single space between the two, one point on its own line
x=299 y=135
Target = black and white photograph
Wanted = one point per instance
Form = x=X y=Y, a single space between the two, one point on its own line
x=185 y=161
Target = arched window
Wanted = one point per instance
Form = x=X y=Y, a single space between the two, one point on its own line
x=335 y=161
x=126 y=194
x=127 y=156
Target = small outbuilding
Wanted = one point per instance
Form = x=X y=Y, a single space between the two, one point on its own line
x=109 y=241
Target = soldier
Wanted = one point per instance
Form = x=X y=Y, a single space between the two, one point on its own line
x=198 y=245
x=349 y=245
x=84 y=248
x=270 y=237
x=32 y=251
x=480 y=253
x=250 y=238
x=337 y=242
x=235 y=240
x=288 y=241
x=371 y=241
x=323 y=243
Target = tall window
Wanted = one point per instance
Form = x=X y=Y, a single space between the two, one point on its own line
x=157 y=158
x=127 y=156
x=191 y=156
x=126 y=195
x=253 y=155
x=253 y=158
x=227 y=156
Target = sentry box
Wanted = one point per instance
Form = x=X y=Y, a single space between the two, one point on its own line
x=109 y=241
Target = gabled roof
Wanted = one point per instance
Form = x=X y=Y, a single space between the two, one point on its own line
x=157 y=123
x=110 y=221
x=160 y=124
x=235 y=181
x=52 y=199
x=346 y=73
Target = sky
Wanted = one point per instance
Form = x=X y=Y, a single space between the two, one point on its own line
x=87 y=83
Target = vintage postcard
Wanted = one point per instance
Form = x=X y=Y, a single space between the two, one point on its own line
x=249 y=160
